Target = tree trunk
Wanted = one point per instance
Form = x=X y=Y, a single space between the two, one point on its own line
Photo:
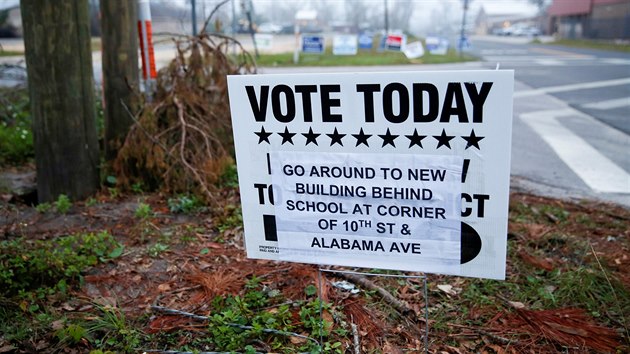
x=61 y=89
x=120 y=69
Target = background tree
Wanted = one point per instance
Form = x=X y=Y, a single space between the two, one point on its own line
x=61 y=90
x=399 y=14
x=356 y=12
x=120 y=69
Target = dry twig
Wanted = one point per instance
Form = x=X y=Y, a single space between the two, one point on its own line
x=181 y=142
x=399 y=305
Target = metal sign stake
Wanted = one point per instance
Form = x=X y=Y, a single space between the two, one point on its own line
x=404 y=276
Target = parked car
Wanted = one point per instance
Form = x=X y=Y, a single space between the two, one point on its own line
x=269 y=27
x=517 y=30
x=526 y=31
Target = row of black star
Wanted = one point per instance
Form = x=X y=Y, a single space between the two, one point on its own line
x=388 y=138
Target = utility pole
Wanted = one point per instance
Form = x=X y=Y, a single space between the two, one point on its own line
x=120 y=70
x=462 y=35
x=248 y=7
x=61 y=90
x=194 y=17
x=233 y=19
x=386 y=19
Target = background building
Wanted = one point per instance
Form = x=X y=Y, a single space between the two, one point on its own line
x=593 y=19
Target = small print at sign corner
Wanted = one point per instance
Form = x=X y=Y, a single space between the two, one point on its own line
x=406 y=171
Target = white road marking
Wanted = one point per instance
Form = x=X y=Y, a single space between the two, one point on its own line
x=572 y=87
x=561 y=53
x=616 y=61
x=530 y=58
x=595 y=169
x=610 y=104
x=549 y=62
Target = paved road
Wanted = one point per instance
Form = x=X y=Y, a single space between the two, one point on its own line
x=571 y=116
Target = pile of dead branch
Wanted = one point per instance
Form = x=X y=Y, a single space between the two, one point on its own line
x=182 y=139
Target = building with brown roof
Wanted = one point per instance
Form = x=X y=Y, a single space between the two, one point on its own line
x=594 y=19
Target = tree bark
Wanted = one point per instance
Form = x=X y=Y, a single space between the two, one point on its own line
x=61 y=90
x=120 y=69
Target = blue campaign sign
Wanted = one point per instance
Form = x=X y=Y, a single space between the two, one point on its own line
x=313 y=44
x=366 y=41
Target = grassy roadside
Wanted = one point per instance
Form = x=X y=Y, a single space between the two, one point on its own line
x=363 y=58
x=10 y=53
x=95 y=45
x=98 y=291
x=593 y=44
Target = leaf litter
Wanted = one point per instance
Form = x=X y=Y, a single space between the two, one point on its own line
x=567 y=286
x=471 y=315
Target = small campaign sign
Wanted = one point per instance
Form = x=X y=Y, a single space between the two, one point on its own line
x=395 y=42
x=366 y=41
x=345 y=44
x=407 y=171
x=313 y=44
x=437 y=45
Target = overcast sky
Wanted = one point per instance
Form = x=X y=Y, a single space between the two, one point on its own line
x=426 y=14
x=494 y=6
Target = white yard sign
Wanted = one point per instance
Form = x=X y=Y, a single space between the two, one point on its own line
x=406 y=171
x=345 y=44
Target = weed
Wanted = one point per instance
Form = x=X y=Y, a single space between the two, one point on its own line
x=589 y=289
x=90 y=202
x=157 y=249
x=43 y=208
x=232 y=218
x=310 y=290
x=16 y=137
x=235 y=310
x=332 y=347
x=137 y=188
x=63 y=204
x=14 y=326
x=143 y=211
x=146 y=230
x=229 y=178
x=71 y=334
x=112 y=331
x=185 y=204
x=113 y=192
x=26 y=265
x=555 y=212
x=311 y=318
x=188 y=234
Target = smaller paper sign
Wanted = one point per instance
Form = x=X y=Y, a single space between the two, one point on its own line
x=369 y=210
x=345 y=44
x=313 y=44
x=414 y=50
x=264 y=41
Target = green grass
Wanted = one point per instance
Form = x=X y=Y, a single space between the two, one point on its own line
x=10 y=53
x=95 y=46
x=593 y=44
x=363 y=58
x=16 y=137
